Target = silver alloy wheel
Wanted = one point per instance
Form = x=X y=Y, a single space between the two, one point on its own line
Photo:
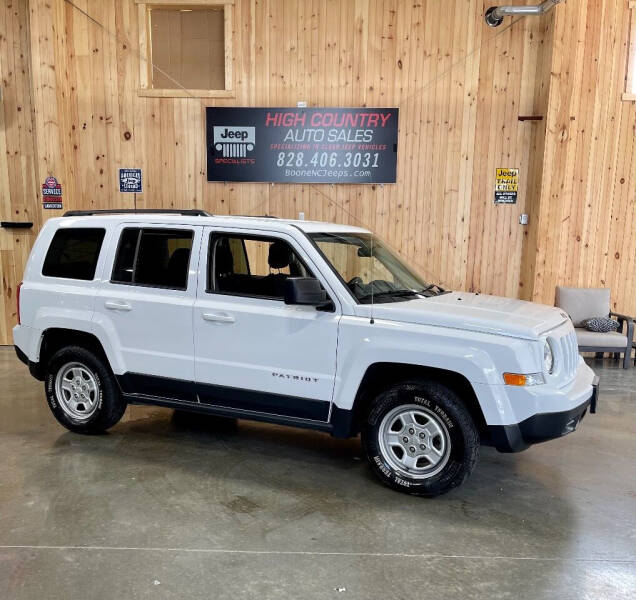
x=414 y=441
x=77 y=391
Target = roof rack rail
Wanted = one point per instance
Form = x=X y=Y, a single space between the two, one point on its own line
x=186 y=212
x=257 y=216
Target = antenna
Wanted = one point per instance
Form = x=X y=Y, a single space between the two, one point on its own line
x=372 y=321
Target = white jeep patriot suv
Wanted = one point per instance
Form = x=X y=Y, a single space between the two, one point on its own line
x=297 y=323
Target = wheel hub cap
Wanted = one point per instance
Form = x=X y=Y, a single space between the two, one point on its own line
x=77 y=391
x=414 y=441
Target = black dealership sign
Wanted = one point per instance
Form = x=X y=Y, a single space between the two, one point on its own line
x=302 y=145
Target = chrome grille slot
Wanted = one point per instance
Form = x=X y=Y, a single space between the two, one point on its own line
x=568 y=350
x=565 y=351
x=575 y=351
x=571 y=351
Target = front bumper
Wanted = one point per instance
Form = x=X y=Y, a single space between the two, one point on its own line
x=541 y=427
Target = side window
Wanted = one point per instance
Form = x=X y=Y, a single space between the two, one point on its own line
x=252 y=266
x=73 y=253
x=153 y=257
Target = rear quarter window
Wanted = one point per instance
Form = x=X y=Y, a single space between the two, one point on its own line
x=73 y=253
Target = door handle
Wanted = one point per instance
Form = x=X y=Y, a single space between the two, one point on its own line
x=112 y=305
x=218 y=317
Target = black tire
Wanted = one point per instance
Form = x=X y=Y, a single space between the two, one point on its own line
x=110 y=405
x=458 y=437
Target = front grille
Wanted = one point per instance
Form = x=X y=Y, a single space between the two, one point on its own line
x=569 y=351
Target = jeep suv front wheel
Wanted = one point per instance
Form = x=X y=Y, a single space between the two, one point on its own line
x=420 y=438
x=82 y=392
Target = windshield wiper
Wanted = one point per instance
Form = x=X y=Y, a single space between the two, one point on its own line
x=429 y=287
x=402 y=293
x=396 y=293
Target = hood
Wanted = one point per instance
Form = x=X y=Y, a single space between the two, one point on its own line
x=476 y=312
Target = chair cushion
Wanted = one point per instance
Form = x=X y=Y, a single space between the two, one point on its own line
x=583 y=303
x=610 y=339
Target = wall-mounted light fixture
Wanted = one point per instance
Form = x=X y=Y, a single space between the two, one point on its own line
x=495 y=14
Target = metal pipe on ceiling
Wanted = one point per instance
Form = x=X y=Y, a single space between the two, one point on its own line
x=495 y=14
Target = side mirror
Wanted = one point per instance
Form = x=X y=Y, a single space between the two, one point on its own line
x=304 y=290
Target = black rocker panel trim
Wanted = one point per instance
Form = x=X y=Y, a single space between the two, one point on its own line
x=152 y=386
x=211 y=409
x=277 y=404
x=157 y=386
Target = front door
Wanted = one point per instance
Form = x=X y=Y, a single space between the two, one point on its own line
x=253 y=352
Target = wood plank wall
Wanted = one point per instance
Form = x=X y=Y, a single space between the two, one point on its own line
x=460 y=86
x=587 y=203
x=18 y=183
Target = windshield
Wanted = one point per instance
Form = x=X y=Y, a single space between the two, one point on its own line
x=370 y=270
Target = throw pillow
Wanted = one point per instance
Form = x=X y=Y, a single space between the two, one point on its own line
x=601 y=324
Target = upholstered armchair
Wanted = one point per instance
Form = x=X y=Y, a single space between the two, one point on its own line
x=585 y=303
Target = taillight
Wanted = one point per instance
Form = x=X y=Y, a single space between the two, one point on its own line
x=17 y=299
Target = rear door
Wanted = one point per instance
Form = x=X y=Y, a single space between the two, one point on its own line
x=254 y=352
x=146 y=307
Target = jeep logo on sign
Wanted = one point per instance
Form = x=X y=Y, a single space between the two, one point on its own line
x=234 y=141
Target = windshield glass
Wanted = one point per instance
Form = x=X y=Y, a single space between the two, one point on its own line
x=370 y=269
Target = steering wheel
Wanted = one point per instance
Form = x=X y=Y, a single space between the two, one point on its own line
x=355 y=281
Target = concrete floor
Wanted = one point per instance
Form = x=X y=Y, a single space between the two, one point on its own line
x=171 y=507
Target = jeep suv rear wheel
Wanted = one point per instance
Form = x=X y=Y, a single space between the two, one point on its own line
x=420 y=438
x=82 y=392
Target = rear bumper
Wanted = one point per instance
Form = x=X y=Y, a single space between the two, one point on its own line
x=541 y=427
x=34 y=368
x=22 y=356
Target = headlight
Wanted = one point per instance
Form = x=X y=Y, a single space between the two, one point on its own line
x=548 y=357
